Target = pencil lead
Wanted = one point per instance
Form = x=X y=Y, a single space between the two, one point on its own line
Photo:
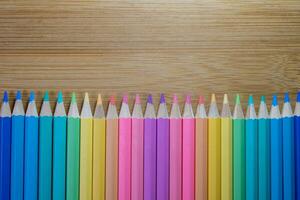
x=201 y=99
x=250 y=100
x=150 y=100
x=112 y=100
x=99 y=100
x=263 y=99
x=286 y=98
x=125 y=99
x=46 y=96
x=31 y=96
x=5 y=96
x=298 y=96
x=73 y=100
x=162 y=98
x=188 y=99
x=238 y=99
x=225 y=100
x=213 y=98
x=137 y=99
x=175 y=98
x=274 y=102
x=19 y=95
x=59 y=97
x=86 y=97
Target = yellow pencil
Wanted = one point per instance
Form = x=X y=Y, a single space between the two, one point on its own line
x=226 y=153
x=99 y=152
x=214 y=151
x=86 y=150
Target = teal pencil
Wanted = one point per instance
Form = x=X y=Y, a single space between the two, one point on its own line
x=59 y=149
x=263 y=151
x=251 y=152
x=45 y=150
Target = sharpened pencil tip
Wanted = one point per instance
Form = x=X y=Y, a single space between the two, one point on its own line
x=60 y=97
x=237 y=99
x=213 y=97
x=31 y=96
x=150 y=100
x=5 y=96
x=125 y=99
x=112 y=100
x=188 y=99
x=274 y=102
x=286 y=97
x=19 y=95
x=73 y=97
x=175 y=98
x=46 y=96
x=225 y=100
x=162 y=98
x=201 y=99
x=86 y=97
x=263 y=99
x=250 y=100
x=99 y=100
x=137 y=99
x=298 y=96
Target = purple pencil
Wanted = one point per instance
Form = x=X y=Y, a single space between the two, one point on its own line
x=150 y=151
x=163 y=150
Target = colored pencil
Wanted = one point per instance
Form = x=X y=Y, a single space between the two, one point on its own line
x=73 y=151
x=5 y=148
x=163 y=150
x=251 y=151
x=188 y=151
x=263 y=151
x=288 y=150
x=31 y=150
x=276 y=151
x=201 y=151
x=45 y=150
x=297 y=147
x=86 y=150
x=175 y=151
x=124 y=151
x=238 y=156
x=226 y=151
x=214 y=151
x=137 y=169
x=99 y=151
x=17 y=149
x=150 y=137
x=112 y=150
x=59 y=150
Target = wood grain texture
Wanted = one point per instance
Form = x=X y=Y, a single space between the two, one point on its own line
x=180 y=46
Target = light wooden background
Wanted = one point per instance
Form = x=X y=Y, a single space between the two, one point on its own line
x=150 y=46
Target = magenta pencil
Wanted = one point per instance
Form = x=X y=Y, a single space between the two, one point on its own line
x=137 y=168
x=188 y=151
x=163 y=150
x=150 y=151
x=124 y=151
x=175 y=151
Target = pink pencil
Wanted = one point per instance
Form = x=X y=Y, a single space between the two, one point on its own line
x=175 y=151
x=137 y=170
x=124 y=151
x=188 y=152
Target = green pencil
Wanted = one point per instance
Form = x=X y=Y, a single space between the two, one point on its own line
x=73 y=145
x=239 y=162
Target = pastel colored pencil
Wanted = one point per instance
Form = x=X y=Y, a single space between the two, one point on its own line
x=276 y=151
x=263 y=151
x=238 y=155
x=226 y=151
x=214 y=151
x=73 y=151
x=137 y=168
x=124 y=151
x=163 y=150
x=99 y=141
x=150 y=145
x=188 y=151
x=251 y=151
x=201 y=151
x=59 y=150
x=288 y=150
x=297 y=147
x=175 y=151
x=5 y=148
x=45 y=150
x=31 y=150
x=112 y=151
x=86 y=150
x=17 y=149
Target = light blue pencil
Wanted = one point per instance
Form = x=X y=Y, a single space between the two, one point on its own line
x=276 y=151
x=45 y=150
x=288 y=150
x=17 y=149
x=31 y=151
x=59 y=149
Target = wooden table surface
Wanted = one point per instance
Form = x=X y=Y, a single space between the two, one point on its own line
x=150 y=46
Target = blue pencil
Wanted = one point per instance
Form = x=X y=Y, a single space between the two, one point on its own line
x=251 y=152
x=31 y=151
x=276 y=151
x=59 y=149
x=45 y=150
x=263 y=151
x=288 y=150
x=297 y=147
x=17 y=149
x=5 y=141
